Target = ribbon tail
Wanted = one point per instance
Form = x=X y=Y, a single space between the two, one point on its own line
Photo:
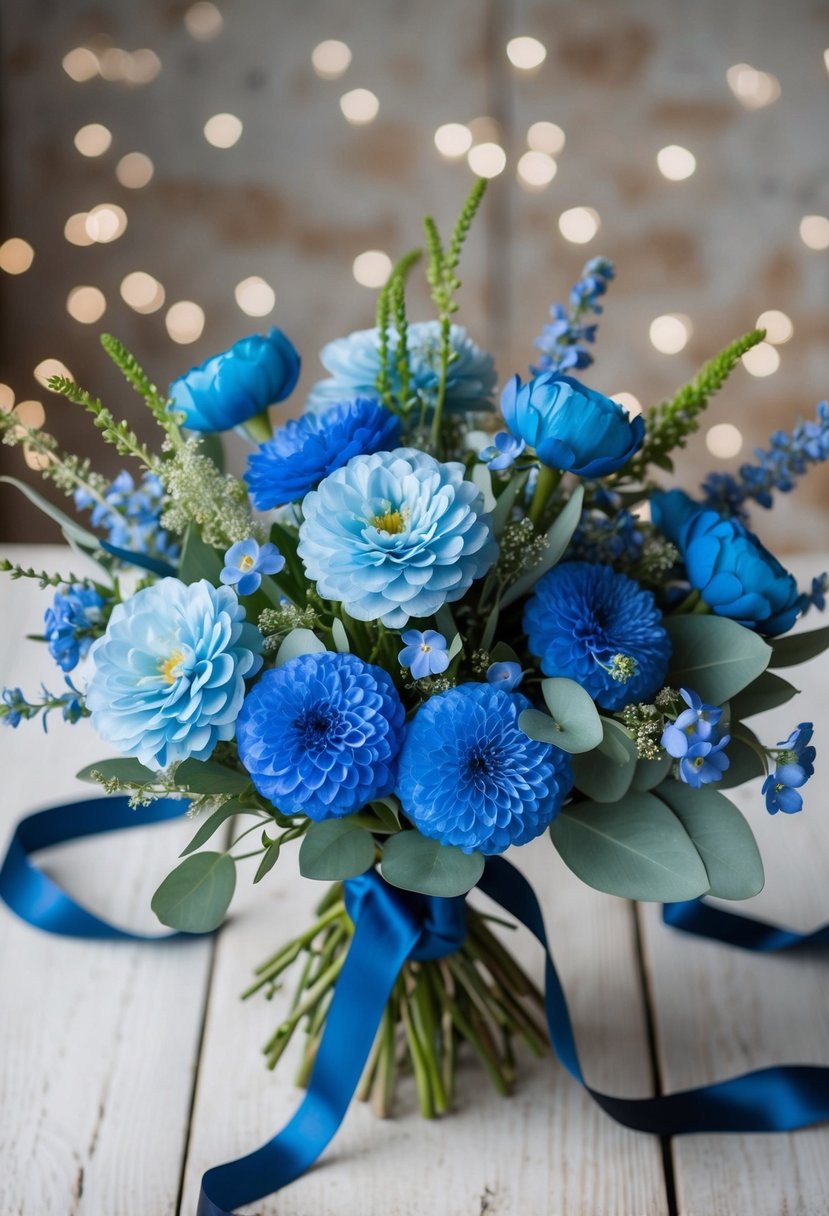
x=384 y=936
x=704 y=920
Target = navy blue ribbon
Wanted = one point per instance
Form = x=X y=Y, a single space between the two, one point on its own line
x=391 y=926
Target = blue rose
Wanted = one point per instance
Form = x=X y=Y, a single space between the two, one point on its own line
x=238 y=384
x=734 y=573
x=571 y=427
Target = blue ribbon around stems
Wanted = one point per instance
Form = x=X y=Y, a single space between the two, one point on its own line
x=390 y=926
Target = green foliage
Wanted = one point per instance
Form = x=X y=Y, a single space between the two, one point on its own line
x=392 y=302
x=574 y=724
x=799 y=647
x=212 y=824
x=650 y=773
x=140 y=381
x=269 y=859
x=714 y=656
x=291 y=580
x=70 y=529
x=339 y=636
x=413 y=862
x=721 y=836
x=605 y=774
x=636 y=848
x=208 y=777
x=766 y=692
x=119 y=434
x=124 y=769
x=44 y=579
x=298 y=642
x=336 y=849
x=195 y=896
x=667 y=426
x=198 y=560
x=747 y=757
x=558 y=538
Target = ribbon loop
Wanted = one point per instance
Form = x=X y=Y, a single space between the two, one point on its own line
x=441 y=920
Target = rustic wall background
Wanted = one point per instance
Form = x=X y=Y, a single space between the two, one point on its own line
x=303 y=191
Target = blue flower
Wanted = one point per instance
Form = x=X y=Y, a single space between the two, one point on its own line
x=697 y=723
x=246 y=562
x=704 y=762
x=571 y=427
x=795 y=765
x=234 y=386
x=307 y=449
x=395 y=535
x=563 y=344
x=354 y=364
x=13 y=708
x=425 y=654
x=503 y=451
x=504 y=675
x=320 y=735
x=169 y=673
x=734 y=574
x=592 y=625
x=71 y=624
x=130 y=515
x=470 y=777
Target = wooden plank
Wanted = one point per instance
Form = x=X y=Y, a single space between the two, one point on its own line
x=545 y=1150
x=720 y=1012
x=100 y=1040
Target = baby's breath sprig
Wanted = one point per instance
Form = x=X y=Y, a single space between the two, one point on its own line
x=199 y=493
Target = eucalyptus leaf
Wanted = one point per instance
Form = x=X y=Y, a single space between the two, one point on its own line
x=558 y=538
x=650 y=773
x=605 y=774
x=456 y=646
x=636 y=848
x=208 y=777
x=212 y=824
x=415 y=863
x=506 y=501
x=269 y=860
x=766 y=692
x=336 y=849
x=721 y=836
x=745 y=754
x=296 y=643
x=340 y=636
x=713 y=656
x=799 y=647
x=198 y=560
x=196 y=895
x=125 y=768
x=481 y=478
x=575 y=713
x=70 y=528
x=539 y=726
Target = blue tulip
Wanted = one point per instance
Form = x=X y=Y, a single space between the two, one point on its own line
x=571 y=427
x=238 y=384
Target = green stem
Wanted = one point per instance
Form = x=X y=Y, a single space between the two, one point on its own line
x=258 y=428
x=548 y=479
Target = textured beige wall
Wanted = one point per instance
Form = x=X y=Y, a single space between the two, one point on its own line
x=303 y=192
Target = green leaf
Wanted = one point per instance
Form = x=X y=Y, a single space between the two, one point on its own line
x=456 y=647
x=799 y=647
x=605 y=773
x=296 y=643
x=198 y=560
x=212 y=446
x=340 y=636
x=713 y=656
x=746 y=756
x=650 y=773
x=268 y=861
x=502 y=653
x=413 y=862
x=71 y=530
x=481 y=478
x=766 y=692
x=721 y=836
x=197 y=894
x=336 y=849
x=208 y=777
x=576 y=725
x=506 y=501
x=635 y=847
x=292 y=578
x=558 y=538
x=126 y=769
x=212 y=824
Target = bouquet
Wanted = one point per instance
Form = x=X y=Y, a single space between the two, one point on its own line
x=420 y=631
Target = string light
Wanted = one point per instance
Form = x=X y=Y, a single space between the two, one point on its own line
x=254 y=296
x=814 y=231
x=526 y=53
x=184 y=321
x=752 y=88
x=51 y=367
x=359 y=106
x=372 y=268
x=675 y=162
x=761 y=360
x=105 y=223
x=16 y=255
x=669 y=334
x=330 y=58
x=93 y=139
x=223 y=130
x=777 y=325
x=135 y=170
x=203 y=21
x=546 y=137
x=487 y=160
x=579 y=224
x=142 y=291
x=453 y=140
x=724 y=440
x=536 y=170
x=86 y=304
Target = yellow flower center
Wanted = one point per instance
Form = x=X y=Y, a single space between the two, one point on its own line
x=425 y=647
x=245 y=562
x=169 y=667
x=392 y=522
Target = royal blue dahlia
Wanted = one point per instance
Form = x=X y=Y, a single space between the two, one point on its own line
x=354 y=363
x=169 y=673
x=320 y=735
x=601 y=629
x=470 y=777
x=72 y=623
x=395 y=535
x=307 y=449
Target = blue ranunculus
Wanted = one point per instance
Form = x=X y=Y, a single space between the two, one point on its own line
x=571 y=427
x=306 y=449
x=169 y=673
x=734 y=573
x=234 y=386
x=470 y=777
x=320 y=735
x=395 y=535
x=71 y=624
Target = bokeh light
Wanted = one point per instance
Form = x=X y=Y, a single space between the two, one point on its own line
x=80 y=64
x=6 y=398
x=31 y=414
x=51 y=367
x=372 y=268
x=669 y=333
x=105 y=223
x=75 y=229
x=526 y=53
x=579 y=224
x=752 y=88
x=330 y=59
x=546 y=137
x=777 y=325
x=203 y=21
x=254 y=296
x=223 y=130
x=453 y=140
x=628 y=402
x=135 y=170
x=16 y=255
x=762 y=360
x=184 y=321
x=142 y=291
x=675 y=162
x=536 y=170
x=359 y=106
x=93 y=140
x=86 y=304
x=814 y=231
x=724 y=440
x=487 y=160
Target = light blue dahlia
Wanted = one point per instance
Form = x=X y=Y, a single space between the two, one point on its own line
x=169 y=673
x=395 y=535
x=320 y=735
x=354 y=362
x=470 y=777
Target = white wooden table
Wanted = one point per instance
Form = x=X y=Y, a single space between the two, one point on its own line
x=126 y=1070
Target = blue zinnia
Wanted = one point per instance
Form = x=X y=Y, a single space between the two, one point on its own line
x=71 y=624
x=354 y=364
x=584 y=620
x=320 y=735
x=169 y=673
x=395 y=535
x=307 y=449
x=470 y=777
